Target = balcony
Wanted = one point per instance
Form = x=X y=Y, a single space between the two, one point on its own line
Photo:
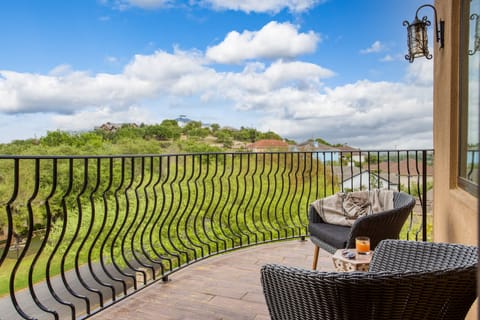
x=223 y=287
x=133 y=233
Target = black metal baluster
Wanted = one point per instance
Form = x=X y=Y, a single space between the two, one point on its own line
x=135 y=224
x=224 y=209
x=145 y=235
x=220 y=240
x=230 y=204
x=155 y=217
x=30 y=226
x=254 y=194
x=118 y=230
x=164 y=216
x=263 y=194
x=419 y=193
x=333 y=176
x=424 y=192
x=238 y=204
x=10 y=231
x=282 y=158
x=206 y=216
x=220 y=211
x=273 y=197
x=294 y=192
x=410 y=227
x=184 y=237
x=311 y=174
x=113 y=226
x=176 y=216
x=45 y=239
x=98 y=233
x=252 y=227
x=170 y=215
x=20 y=257
x=58 y=244
x=69 y=287
x=48 y=277
x=247 y=202
x=128 y=249
x=399 y=174
x=288 y=175
x=83 y=241
x=193 y=218
x=301 y=210
x=388 y=169
x=474 y=155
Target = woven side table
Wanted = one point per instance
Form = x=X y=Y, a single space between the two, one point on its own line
x=342 y=263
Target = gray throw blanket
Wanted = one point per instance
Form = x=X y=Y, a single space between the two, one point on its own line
x=344 y=208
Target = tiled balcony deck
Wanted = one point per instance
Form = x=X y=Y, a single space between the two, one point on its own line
x=222 y=287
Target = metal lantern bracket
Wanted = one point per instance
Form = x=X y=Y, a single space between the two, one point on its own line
x=476 y=40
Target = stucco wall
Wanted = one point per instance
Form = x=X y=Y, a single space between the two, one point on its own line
x=455 y=214
x=455 y=210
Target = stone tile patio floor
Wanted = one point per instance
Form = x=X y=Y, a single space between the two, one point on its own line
x=222 y=287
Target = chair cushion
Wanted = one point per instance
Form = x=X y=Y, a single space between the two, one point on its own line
x=335 y=235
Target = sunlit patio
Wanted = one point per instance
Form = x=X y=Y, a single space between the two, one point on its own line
x=222 y=287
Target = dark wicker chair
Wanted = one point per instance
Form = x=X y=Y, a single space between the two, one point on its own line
x=378 y=226
x=406 y=280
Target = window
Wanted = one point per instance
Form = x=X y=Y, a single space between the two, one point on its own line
x=469 y=96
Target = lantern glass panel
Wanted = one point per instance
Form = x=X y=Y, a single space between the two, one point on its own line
x=418 y=41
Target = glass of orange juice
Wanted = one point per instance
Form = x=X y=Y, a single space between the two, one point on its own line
x=362 y=244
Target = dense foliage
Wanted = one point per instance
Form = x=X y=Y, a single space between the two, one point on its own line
x=166 y=137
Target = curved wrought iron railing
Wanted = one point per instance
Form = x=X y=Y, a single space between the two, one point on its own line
x=81 y=233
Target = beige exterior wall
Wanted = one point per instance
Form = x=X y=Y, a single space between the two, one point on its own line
x=455 y=211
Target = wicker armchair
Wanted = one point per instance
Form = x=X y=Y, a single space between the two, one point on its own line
x=406 y=280
x=378 y=226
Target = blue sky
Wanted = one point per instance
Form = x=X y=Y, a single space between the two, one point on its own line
x=333 y=69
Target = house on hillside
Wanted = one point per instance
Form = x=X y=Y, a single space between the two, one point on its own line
x=112 y=127
x=320 y=151
x=406 y=171
x=356 y=155
x=266 y=145
x=182 y=120
x=362 y=181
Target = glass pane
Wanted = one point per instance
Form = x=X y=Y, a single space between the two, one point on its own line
x=469 y=108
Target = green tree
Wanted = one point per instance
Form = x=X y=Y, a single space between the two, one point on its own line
x=270 y=135
x=215 y=127
x=225 y=137
x=56 y=138
x=322 y=141
x=192 y=125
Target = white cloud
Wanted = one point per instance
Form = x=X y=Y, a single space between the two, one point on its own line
x=288 y=97
x=144 y=4
x=111 y=59
x=259 y=6
x=365 y=114
x=420 y=72
x=274 y=40
x=96 y=116
x=377 y=46
x=387 y=58
x=271 y=6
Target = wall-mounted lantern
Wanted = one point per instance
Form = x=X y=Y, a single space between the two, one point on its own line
x=417 y=35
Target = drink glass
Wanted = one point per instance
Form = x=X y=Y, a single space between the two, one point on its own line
x=362 y=244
